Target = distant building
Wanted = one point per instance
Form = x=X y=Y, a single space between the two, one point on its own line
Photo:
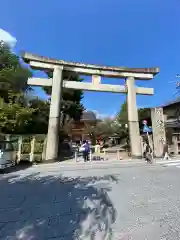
x=80 y=128
x=172 y=114
x=172 y=124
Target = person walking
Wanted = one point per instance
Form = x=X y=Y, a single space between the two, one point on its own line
x=166 y=152
x=147 y=153
x=86 y=150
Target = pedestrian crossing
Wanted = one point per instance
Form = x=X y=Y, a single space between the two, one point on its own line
x=172 y=164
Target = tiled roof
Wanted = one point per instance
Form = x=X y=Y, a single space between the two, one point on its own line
x=177 y=100
x=172 y=123
x=88 y=116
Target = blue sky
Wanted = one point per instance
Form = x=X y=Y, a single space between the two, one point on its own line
x=141 y=33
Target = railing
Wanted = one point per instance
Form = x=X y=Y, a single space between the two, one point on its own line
x=32 y=148
x=28 y=147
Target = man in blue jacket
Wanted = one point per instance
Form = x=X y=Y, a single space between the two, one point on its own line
x=86 y=150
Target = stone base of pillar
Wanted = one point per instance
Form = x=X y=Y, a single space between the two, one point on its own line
x=135 y=139
x=52 y=139
x=136 y=157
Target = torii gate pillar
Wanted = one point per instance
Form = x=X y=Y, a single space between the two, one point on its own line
x=134 y=133
x=54 y=115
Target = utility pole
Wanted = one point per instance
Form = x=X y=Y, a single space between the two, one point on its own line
x=178 y=82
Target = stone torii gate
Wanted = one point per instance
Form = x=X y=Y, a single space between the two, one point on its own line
x=57 y=83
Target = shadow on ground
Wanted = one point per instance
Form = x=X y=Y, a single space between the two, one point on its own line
x=56 y=207
x=20 y=166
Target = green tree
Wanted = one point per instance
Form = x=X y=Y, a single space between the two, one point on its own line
x=40 y=116
x=143 y=114
x=13 y=75
x=8 y=60
x=18 y=114
x=105 y=129
x=122 y=116
x=14 y=115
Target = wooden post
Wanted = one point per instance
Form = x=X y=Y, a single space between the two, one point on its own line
x=8 y=137
x=31 y=154
x=118 y=157
x=44 y=149
x=90 y=155
x=75 y=155
x=104 y=153
x=19 y=149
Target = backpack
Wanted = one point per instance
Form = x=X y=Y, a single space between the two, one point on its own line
x=86 y=147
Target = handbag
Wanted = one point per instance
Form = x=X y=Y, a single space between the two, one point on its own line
x=81 y=149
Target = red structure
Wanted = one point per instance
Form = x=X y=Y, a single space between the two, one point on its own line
x=80 y=128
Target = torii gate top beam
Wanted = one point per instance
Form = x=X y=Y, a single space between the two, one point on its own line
x=39 y=62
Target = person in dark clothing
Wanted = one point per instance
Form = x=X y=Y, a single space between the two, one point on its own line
x=147 y=154
x=86 y=150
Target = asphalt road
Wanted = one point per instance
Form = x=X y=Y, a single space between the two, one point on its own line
x=133 y=202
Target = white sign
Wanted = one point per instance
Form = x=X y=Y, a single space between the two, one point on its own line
x=96 y=79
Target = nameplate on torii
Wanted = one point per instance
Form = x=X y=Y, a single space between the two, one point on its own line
x=96 y=79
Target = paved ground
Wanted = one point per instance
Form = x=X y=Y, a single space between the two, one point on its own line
x=129 y=202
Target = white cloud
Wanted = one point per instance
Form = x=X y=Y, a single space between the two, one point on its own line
x=7 y=38
x=100 y=115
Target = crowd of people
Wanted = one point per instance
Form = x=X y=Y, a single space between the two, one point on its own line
x=85 y=148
